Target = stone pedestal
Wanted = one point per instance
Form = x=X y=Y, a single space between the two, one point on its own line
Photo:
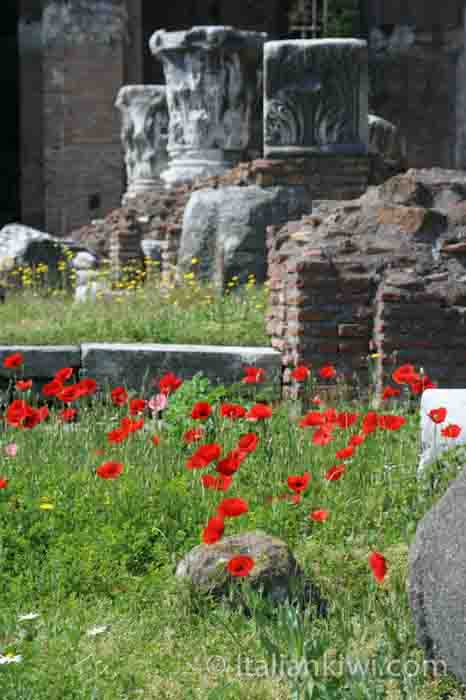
x=315 y=97
x=144 y=136
x=212 y=76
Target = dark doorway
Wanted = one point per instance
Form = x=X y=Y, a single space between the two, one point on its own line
x=9 y=123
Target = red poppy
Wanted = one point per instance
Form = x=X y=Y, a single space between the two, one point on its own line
x=389 y=392
x=390 y=422
x=155 y=439
x=137 y=406
x=69 y=393
x=43 y=412
x=109 y=470
x=313 y=418
x=438 y=415
x=241 y=565
x=345 y=452
x=3 y=483
x=330 y=415
x=322 y=436
x=335 y=472
x=214 y=530
x=23 y=384
x=301 y=373
x=169 y=383
x=117 y=435
x=451 y=430
x=16 y=412
x=32 y=418
x=232 y=507
x=421 y=385
x=87 y=386
x=369 y=423
x=68 y=414
x=319 y=515
x=13 y=361
x=259 y=411
x=63 y=374
x=131 y=425
x=405 y=374
x=232 y=410
x=298 y=484
x=345 y=419
x=232 y=462
x=193 y=435
x=356 y=440
x=52 y=388
x=201 y=410
x=248 y=442
x=253 y=375
x=119 y=396
x=218 y=483
x=379 y=566
x=327 y=372
x=204 y=455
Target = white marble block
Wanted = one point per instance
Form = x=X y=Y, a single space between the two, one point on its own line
x=432 y=440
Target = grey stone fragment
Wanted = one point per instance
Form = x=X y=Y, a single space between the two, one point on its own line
x=41 y=360
x=432 y=441
x=385 y=140
x=138 y=365
x=84 y=261
x=436 y=576
x=152 y=249
x=231 y=222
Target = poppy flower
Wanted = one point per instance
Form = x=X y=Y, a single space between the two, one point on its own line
x=327 y=372
x=345 y=419
x=323 y=436
x=31 y=418
x=87 y=386
x=232 y=507
x=253 y=375
x=155 y=439
x=117 y=435
x=438 y=415
x=389 y=392
x=311 y=419
x=345 y=452
x=68 y=414
x=335 y=472
x=63 y=374
x=169 y=383
x=319 y=515
x=13 y=361
x=204 y=455
x=131 y=425
x=23 y=384
x=369 y=423
x=119 y=396
x=214 y=530
x=11 y=449
x=158 y=403
x=69 y=393
x=379 y=566
x=218 y=483
x=241 y=565
x=109 y=470
x=298 y=484
x=231 y=463
x=52 y=388
x=331 y=416
x=451 y=430
x=3 y=483
x=248 y=442
x=201 y=410
x=356 y=440
x=390 y=422
x=137 y=406
x=405 y=374
x=232 y=410
x=16 y=412
x=301 y=373
x=259 y=411
x=193 y=435
x=419 y=386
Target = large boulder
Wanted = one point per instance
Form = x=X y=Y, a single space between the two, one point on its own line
x=225 y=228
x=436 y=576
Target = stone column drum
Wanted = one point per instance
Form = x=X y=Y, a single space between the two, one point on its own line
x=144 y=136
x=315 y=97
x=212 y=76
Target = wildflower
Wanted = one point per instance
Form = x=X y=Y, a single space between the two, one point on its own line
x=155 y=439
x=424 y=383
x=117 y=435
x=259 y=411
x=63 y=374
x=356 y=440
x=345 y=452
x=319 y=515
x=405 y=374
x=313 y=418
x=13 y=361
x=193 y=435
x=3 y=483
x=335 y=472
x=390 y=422
x=253 y=375
x=378 y=564
x=214 y=530
x=137 y=406
x=323 y=436
x=241 y=565
x=87 y=386
x=204 y=455
x=346 y=419
x=10 y=659
x=298 y=484
x=327 y=372
x=369 y=423
x=46 y=505
x=232 y=507
x=27 y=617
x=68 y=414
x=109 y=470
x=119 y=396
x=11 y=449
x=218 y=483
x=390 y=392
x=69 y=393
x=232 y=462
x=201 y=410
x=248 y=442
x=52 y=388
x=438 y=415
x=23 y=385
x=158 y=403
x=232 y=410
x=98 y=629
x=300 y=373
x=169 y=383
x=451 y=430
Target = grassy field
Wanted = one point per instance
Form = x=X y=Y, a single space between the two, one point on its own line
x=90 y=561
x=149 y=312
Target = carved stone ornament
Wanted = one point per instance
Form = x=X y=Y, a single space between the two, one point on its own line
x=212 y=76
x=143 y=135
x=315 y=97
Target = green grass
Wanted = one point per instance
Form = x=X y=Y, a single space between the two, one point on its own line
x=104 y=553
x=190 y=312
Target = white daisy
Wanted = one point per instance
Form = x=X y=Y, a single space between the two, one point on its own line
x=10 y=659
x=98 y=629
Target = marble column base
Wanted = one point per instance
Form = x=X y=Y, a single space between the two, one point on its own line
x=188 y=164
